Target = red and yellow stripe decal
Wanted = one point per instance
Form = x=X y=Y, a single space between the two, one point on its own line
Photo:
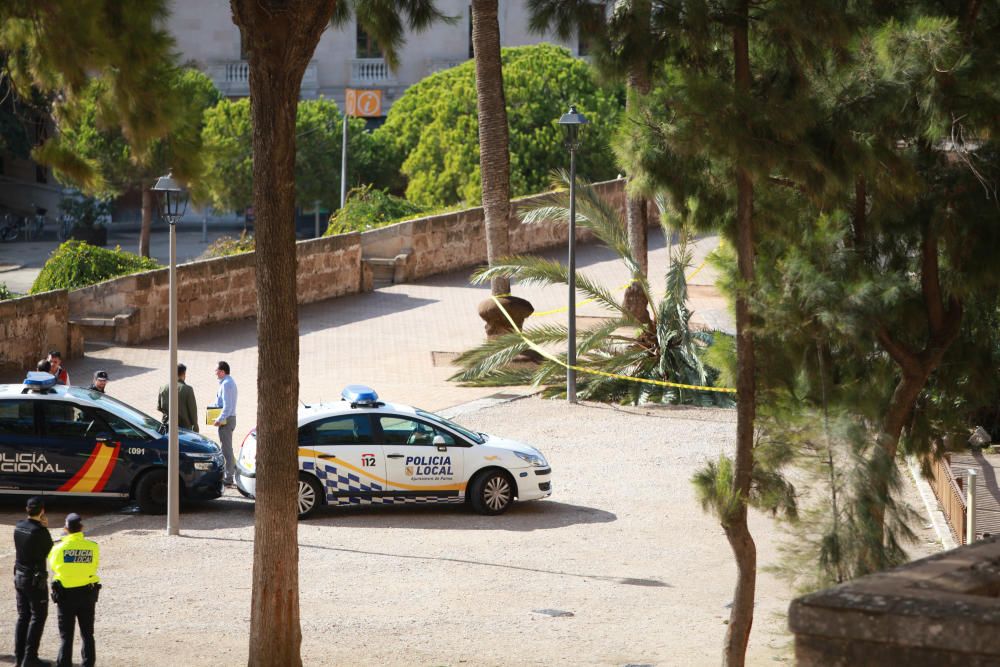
x=94 y=474
x=312 y=453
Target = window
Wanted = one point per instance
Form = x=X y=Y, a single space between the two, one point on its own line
x=367 y=46
x=403 y=431
x=472 y=51
x=582 y=43
x=122 y=428
x=65 y=420
x=347 y=430
x=17 y=418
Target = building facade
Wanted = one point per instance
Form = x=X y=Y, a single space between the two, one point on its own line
x=346 y=57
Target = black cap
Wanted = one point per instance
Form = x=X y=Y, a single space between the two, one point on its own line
x=101 y=375
x=74 y=522
x=35 y=505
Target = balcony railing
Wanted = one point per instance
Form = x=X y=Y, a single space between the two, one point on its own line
x=440 y=64
x=371 y=72
x=233 y=78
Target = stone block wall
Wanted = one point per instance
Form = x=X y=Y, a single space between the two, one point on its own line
x=939 y=611
x=31 y=326
x=136 y=307
x=214 y=290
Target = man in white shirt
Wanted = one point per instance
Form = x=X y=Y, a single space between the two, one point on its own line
x=225 y=398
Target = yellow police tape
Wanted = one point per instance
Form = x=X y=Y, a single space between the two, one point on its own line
x=581 y=369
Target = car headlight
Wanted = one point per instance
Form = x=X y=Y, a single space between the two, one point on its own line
x=536 y=460
x=199 y=456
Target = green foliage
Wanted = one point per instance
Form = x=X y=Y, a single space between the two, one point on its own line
x=227 y=245
x=85 y=212
x=769 y=491
x=664 y=349
x=5 y=293
x=366 y=208
x=76 y=264
x=101 y=160
x=228 y=180
x=433 y=132
x=61 y=46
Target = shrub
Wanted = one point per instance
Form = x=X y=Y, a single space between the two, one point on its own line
x=227 y=245
x=5 y=293
x=76 y=264
x=85 y=212
x=433 y=132
x=367 y=207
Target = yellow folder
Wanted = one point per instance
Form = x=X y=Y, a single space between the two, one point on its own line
x=211 y=414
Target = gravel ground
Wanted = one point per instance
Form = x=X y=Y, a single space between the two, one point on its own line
x=619 y=567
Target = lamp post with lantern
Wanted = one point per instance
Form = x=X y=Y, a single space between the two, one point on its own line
x=172 y=201
x=571 y=121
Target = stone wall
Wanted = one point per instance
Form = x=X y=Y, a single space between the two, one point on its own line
x=214 y=290
x=33 y=325
x=135 y=308
x=938 y=611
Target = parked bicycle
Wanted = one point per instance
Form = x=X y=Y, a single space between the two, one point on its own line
x=12 y=226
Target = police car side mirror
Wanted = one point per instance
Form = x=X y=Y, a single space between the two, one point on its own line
x=439 y=442
x=104 y=438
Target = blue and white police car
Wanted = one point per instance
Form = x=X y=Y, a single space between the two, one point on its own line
x=58 y=440
x=363 y=451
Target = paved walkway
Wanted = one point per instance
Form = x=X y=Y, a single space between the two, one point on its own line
x=398 y=339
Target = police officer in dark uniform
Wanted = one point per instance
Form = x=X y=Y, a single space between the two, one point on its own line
x=32 y=542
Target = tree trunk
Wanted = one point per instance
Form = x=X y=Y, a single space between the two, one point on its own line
x=494 y=156
x=636 y=206
x=147 y=220
x=282 y=38
x=737 y=530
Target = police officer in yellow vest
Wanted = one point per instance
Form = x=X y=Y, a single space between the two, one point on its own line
x=75 y=588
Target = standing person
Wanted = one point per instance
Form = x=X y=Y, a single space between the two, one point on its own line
x=57 y=368
x=100 y=381
x=32 y=543
x=225 y=398
x=75 y=588
x=187 y=411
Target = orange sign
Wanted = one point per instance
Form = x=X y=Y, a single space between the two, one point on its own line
x=363 y=103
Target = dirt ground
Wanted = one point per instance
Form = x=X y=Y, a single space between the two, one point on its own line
x=619 y=567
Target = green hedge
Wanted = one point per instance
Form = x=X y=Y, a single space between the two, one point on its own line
x=367 y=207
x=76 y=264
x=5 y=292
x=225 y=246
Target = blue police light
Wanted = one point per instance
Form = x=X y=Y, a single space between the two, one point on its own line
x=39 y=380
x=359 y=394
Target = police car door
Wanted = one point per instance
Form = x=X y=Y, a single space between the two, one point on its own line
x=80 y=454
x=418 y=469
x=18 y=444
x=342 y=453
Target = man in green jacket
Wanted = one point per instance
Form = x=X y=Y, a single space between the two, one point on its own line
x=187 y=413
x=75 y=588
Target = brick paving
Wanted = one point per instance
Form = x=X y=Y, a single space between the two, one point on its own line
x=389 y=339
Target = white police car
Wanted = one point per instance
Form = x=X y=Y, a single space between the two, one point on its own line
x=362 y=451
x=57 y=440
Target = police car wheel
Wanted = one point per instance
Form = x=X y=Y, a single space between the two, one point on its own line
x=310 y=495
x=492 y=493
x=151 y=492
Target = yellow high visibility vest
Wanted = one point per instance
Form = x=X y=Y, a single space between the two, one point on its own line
x=74 y=561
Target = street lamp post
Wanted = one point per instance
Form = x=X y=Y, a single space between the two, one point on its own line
x=572 y=120
x=172 y=201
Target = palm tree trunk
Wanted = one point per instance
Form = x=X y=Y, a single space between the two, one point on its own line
x=494 y=156
x=737 y=530
x=283 y=37
x=147 y=220
x=637 y=206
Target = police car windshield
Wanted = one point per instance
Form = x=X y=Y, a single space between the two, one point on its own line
x=117 y=408
x=475 y=437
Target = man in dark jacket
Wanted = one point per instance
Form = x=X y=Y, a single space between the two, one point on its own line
x=32 y=543
x=100 y=381
x=187 y=412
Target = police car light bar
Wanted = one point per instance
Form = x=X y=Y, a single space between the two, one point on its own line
x=360 y=395
x=39 y=381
